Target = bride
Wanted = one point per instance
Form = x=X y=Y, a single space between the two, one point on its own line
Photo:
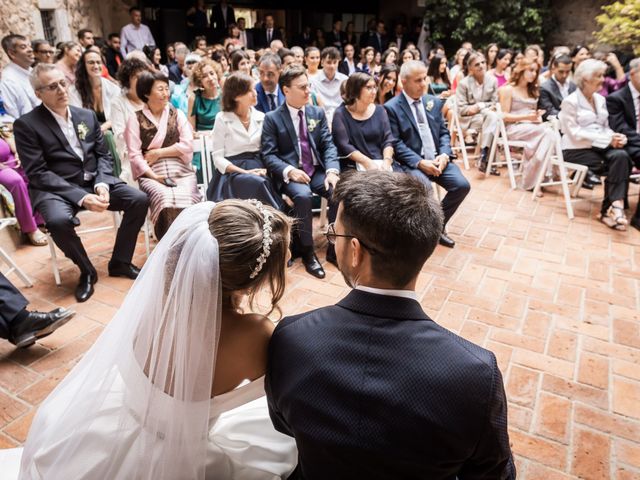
x=160 y=394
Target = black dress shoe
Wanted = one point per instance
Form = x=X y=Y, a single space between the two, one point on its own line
x=121 y=269
x=593 y=178
x=446 y=241
x=635 y=222
x=38 y=325
x=587 y=185
x=312 y=265
x=84 y=290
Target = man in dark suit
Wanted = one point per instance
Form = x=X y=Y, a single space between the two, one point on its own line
x=336 y=37
x=624 y=117
x=246 y=37
x=372 y=388
x=423 y=144
x=222 y=16
x=20 y=326
x=554 y=90
x=378 y=39
x=304 y=38
x=263 y=38
x=270 y=95
x=348 y=65
x=69 y=168
x=113 y=57
x=300 y=155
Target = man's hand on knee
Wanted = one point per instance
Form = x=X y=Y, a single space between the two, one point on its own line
x=299 y=176
x=94 y=203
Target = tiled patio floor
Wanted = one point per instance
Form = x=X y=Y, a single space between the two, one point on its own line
x=557 y=301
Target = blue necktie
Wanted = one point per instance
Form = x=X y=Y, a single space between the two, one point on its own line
x=272 y=102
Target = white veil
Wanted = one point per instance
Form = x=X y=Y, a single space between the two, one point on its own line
x=137 y=405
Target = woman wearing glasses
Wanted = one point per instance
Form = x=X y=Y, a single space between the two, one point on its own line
x=42 y=51
x=361 y=129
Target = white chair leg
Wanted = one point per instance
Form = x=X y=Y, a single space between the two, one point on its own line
x=565 y=191
x=323 y=211
x=463 y=146
x=492 y=154
x=145 y=228
x=15 y=268
x=507 y=156
x=54 y=260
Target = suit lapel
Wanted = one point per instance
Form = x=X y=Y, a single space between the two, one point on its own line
x=431 y=120
x=556 y=90
x=312 y=141
x=630 y=105
x=77 y=121
x=288 y=123
x=55 y=128
x=407 y=111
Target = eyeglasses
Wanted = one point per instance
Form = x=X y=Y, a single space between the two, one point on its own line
x=46 y=52
x=52 y=87
x=372 y=88
x=332 y=237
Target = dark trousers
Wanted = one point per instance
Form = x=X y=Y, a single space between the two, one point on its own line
x=615 y=163
x=636 y=161
x=301 y=194
x=452 y=180
x=58 y=215
x=11 y=304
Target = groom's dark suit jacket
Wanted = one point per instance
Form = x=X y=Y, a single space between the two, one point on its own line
x=372 y=388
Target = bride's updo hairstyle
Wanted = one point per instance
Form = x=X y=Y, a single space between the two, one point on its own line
x=238 y=228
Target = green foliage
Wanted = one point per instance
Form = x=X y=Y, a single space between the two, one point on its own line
x=620 y=25
x=510 y=23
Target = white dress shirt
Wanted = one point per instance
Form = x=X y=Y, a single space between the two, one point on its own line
x=581 y=125
x=16 y=91
x=427 y=131
x=636 y=104
x=134 y=38
x=230 y=138
x=392 y=293
x=563 y=87
x=243 y=38
x=329 y=90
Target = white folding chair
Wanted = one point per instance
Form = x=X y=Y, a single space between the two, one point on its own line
x=554 y=158
x=199 y=147
x=4 y=255
x=455 y=130
x=208 y=168
x=500 y=139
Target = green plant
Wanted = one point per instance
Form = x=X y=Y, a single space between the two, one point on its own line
x=620 y=25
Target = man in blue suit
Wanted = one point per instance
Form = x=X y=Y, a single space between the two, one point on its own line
x=423 y=144
x=300 y=155
x=372 y=388
x=270 y=95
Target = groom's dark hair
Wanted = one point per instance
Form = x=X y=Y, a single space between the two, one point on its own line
x=396 y=219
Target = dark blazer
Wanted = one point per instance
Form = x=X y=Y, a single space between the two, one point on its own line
x=263 y=100
x=250 y=43
x=380 y=391
x=550 y=98
x=217 y=19
x=175 y=74
x=405 y=130
x=111 y=56
x=53 y=168
x=343 y=67
x=379 y=44
x=303 y=39
x=623 y=119
x=260 y=37
x=280 y=147
x=338 y=40
x=12 y=302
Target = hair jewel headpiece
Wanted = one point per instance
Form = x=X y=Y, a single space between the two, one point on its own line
x=266 y=237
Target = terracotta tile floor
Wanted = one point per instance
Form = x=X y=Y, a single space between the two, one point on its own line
x=558 y=301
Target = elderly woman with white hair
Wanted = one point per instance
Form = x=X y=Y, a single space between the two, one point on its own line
x=589 y=141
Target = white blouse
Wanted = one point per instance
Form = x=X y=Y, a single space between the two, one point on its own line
x=230 y=138
x=581 y=125
x=109 y=91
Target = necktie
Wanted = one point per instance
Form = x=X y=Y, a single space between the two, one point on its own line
x=269 y=34
x=428 y=147
x=306 y=159
x=272 y=101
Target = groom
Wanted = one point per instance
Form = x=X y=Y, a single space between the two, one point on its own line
x=378 y=390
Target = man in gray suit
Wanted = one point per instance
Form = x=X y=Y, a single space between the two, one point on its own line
x=476 y=98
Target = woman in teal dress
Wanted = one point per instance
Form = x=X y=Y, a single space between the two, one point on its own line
x=204 y=103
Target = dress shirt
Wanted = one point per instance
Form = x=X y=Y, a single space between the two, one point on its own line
x=329 y=90
x=243 y=38
x=411 y=101
x=636 y=104
x=582 y=126
x=563 y=87
x=230 y=138
x=275 y=93
x=351 y=65
x=296 y=125
x=69 y=132
x=16 y=91
x=410 y=294
x=132 y=38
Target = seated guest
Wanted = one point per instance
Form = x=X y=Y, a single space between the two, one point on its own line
x=181 y=92
x=389 y=57
x=220 y=57
x=122 y=107
x=270 y=96
x=557 y=88
x=154 y=55
x=240 y=172
x=361 y=128
x=15 y=89
x=348 y=65
x=423 y=145
x=408 y=55
x=14 y=179
x=623 y=107
x=240 y=62
x=298 y=55
x=519 y=102
x=42 y=51
x=67 y=60
x=176 y=69
x=476 y=96
x=328 y=80
x=300 y=155
x=394 y=395
x=438 y=77
x=113 y=55
x=501 y=69
x=312 y=61
x=614 y=77
x=368 y=64
x=458 y=67
x=387 y=83
x=69 y=168
x=588 y=140
x=160 y=145
x=286 y=57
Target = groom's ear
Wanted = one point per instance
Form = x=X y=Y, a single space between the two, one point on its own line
x=357 y=252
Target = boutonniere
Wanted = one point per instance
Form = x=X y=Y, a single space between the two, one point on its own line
x=429 y=105
x=311 y=124
x=83 y=130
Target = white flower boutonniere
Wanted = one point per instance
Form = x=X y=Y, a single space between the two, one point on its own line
x=83 y=130
x=311 y=124
x=429 y=105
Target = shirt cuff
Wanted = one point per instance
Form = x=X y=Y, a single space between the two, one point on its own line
x=285 y=173
x=333 y=170
x=98 y=185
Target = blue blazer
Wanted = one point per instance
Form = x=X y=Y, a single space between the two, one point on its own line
x=263 y=101
x=280 y=147
x=373 y=388
x=405 y=130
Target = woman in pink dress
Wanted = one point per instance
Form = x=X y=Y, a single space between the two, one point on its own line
x=501 y=69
